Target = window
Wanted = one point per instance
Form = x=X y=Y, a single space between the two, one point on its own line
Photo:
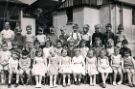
x=69 y=13
x=133 y=16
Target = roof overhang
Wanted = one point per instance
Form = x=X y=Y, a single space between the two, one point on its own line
x=130 y=2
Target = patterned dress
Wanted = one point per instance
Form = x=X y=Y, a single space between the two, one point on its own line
x=103 y=65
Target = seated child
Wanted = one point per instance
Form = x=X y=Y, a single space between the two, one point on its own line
x=104 y=67
x=53 y=67
x=5 y=55
x=91 y=67
x=24 y=66
x=124 y=48
x=65 y=67
x=13 y=68
x=39 y=68
x=78 y=64
x=116 y=64
x=129 y=67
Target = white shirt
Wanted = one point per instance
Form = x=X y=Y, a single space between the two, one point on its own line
x=7 y=34
x=41 y=38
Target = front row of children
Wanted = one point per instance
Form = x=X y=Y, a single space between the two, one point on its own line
x=78 y=66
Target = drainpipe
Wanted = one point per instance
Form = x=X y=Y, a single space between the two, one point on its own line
x=121 y=13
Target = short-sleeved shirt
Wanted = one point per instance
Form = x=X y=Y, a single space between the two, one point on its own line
x=25 y=63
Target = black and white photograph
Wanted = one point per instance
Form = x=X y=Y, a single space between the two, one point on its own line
x=67 y=44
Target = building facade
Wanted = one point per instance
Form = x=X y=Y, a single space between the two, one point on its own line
x=97 y=12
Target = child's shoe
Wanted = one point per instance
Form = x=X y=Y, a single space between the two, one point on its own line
x=39 y=86
x=120 y=82
x=55 y=85
x=130 y=85
x=9 y=85
x=94 y=84
x=114 y=83
x=51 y=86
x=104 y=85
x=16 y=85
x=68 y=84
x=64 y=84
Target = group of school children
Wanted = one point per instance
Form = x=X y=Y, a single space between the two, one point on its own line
x=74 y=59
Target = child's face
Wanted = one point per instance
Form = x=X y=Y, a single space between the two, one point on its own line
x=24 y=56
x=28 y=30
x=90 y=54
x=52 y=54
x=5 y=46
x=48 y=44
x=126 y=54
x=116 y=51
x=98 y=43
x=108 y=29
x=71 y=43
x=14 y=56
x=15 y=46
x=64 y=53
x=125 y=45
x=59 y=45
x=39 y=54
x=102 y=53
x=83 y=44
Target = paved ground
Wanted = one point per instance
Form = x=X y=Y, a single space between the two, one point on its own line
x=70 y=87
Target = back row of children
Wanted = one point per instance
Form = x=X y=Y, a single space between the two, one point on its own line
x=71 y=57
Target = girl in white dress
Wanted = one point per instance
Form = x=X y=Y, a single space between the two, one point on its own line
x=39 y=68
x=53 y=68
x=78 y=66
x=5 y=55
x=103 y=66
x=91 y=67
x=13 y=68
x=65 y=67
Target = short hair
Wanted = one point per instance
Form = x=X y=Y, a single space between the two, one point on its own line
x=40 y=50
x=25 y=52
x=109 y=25
x=125 y=42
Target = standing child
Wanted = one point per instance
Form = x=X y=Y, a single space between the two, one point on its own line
x=91 y=67
x=41 y=37
x=13 y=68
x=129 y=67
x=97 y=47
x=5 y=55
x=110 y=47
x=29 y=38
x=58 y=47
x=84 y=49
x=24 y=66
x=65 y=67
x=78 y=63
x=116 y=64
x=104 y=67
x=53 y=68
x=39 y=68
